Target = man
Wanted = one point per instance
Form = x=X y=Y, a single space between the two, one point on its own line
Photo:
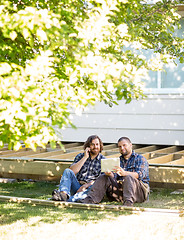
x=128 y=183
x=79 y=177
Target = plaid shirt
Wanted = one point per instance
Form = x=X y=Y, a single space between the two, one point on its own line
x=136 y=163
x=91 y=168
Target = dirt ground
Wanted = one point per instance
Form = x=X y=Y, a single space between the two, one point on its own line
x=143 y=226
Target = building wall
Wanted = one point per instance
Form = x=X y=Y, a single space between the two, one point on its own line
x=157 y=120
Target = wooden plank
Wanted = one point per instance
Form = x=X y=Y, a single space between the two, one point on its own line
x=113 y=155
x=146 y=149
x=180 y=152
x=166 y=175
x=100 y=206
x=165 y=158
x=162 y=159
x=65 y=155
x=33 y=167
x=177 y=162
x=6 y=152
x=54 y=170
x=71 y=145
x=46 y=154
x=26 y=153
x=56 y=152
x=166 y=150
x=110 y=146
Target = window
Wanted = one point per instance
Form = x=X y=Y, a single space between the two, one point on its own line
x=173 y=75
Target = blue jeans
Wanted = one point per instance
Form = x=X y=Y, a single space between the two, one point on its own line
x=70 y=185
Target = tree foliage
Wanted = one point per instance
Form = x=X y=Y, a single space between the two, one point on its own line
x=59 y=56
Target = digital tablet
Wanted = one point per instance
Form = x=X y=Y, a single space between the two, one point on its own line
x=108 y=164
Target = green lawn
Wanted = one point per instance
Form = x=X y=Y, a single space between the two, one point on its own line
x=28 y=221
x=159 y=198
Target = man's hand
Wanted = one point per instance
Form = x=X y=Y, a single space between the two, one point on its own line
x=110 y=174
x=81 y=189
x=120 y=171
x=85 y=186
x=86 y=152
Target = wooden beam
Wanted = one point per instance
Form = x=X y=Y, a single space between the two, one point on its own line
x=100 y=207
x=113 y=155
x=26 y=153
x=177 y=162
x=167 y=150
x=166 y=175
x=110 y=146
x=162 y=159
x=146 y=149
x=65 y=155
x=33 y=167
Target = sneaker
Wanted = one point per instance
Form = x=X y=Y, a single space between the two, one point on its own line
x=128 y=203
x=59 y=196
x=86 y=200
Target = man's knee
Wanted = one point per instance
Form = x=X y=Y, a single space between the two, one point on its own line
x=68 y=171
x=103 y=177
x=129 y=179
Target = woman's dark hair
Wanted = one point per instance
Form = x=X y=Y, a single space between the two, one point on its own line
x=90 y=139
x=124 y=138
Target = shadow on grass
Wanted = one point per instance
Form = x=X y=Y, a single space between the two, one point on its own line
x=12 y=212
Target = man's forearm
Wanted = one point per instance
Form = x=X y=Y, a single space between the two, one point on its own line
x=85 y=186
x=77 y=166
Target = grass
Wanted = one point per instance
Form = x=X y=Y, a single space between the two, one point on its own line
x=27 y=221
x=11 y=212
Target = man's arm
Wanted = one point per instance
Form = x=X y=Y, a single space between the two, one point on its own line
x=85 y=186
x=121 y=172
x=77 y=166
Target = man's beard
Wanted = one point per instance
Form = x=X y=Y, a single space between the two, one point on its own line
x=95 y=151
x=124 y=153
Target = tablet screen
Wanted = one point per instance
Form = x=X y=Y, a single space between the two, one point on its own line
x=108 y=164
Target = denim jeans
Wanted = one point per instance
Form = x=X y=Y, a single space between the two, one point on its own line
x=70 y=185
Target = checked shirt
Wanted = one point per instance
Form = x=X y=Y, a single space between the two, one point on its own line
x=91 y=168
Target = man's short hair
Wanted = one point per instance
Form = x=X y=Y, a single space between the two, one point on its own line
x=124 y=138
x=90 y=139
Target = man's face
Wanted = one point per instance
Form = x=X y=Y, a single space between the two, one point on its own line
x=95 y=146
x=125 y=148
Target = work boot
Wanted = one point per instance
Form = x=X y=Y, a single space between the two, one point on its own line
x=86 y=200
x=59 y=196
x=128 y=203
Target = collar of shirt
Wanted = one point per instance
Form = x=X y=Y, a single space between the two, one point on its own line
x=126 y=160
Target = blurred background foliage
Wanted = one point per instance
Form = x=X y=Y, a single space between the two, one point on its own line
x=59 y=56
